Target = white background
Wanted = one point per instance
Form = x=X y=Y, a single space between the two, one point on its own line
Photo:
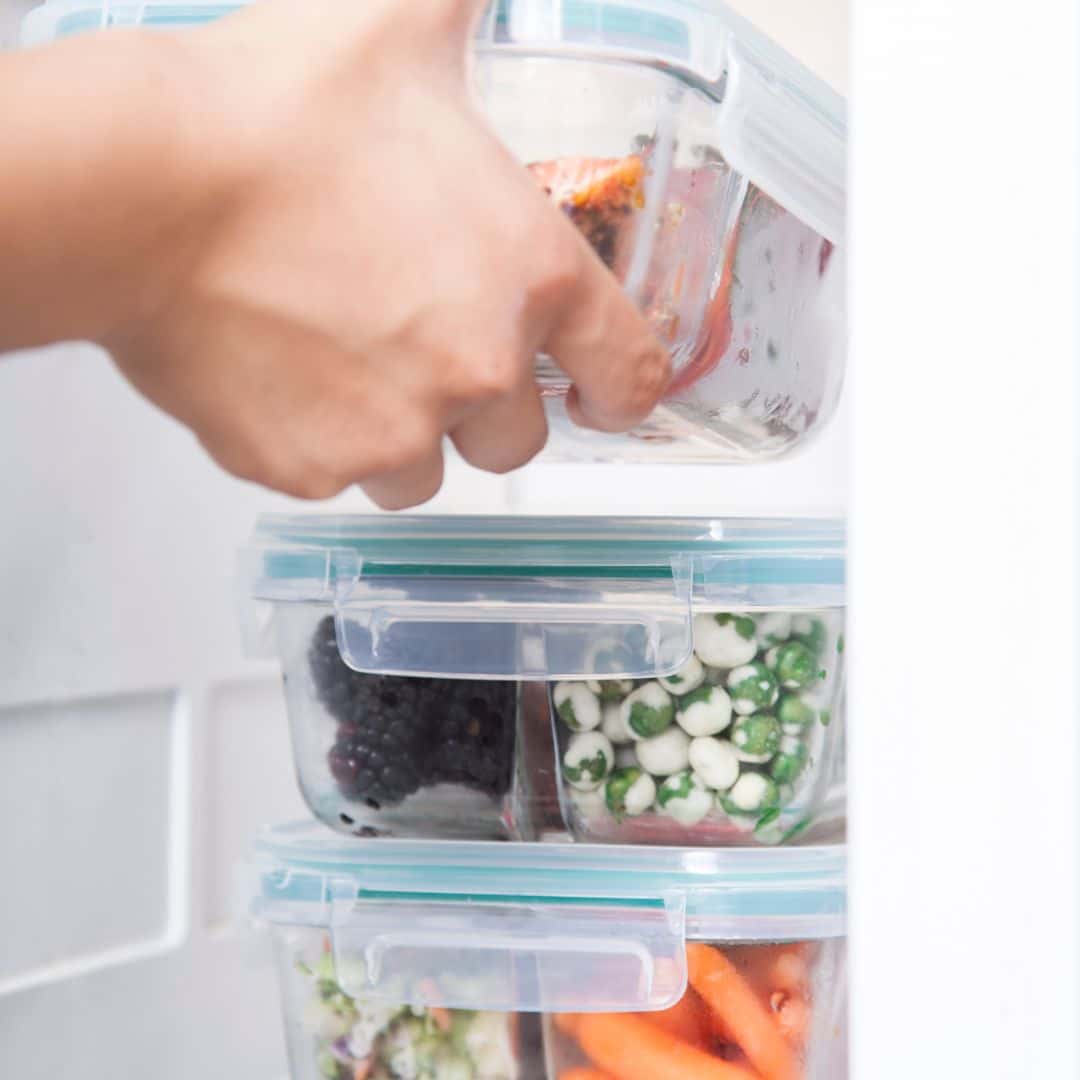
x=138 y=750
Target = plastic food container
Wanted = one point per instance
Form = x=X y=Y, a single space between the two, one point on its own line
x=615 y=680
x=498 y=962
x=707 y=169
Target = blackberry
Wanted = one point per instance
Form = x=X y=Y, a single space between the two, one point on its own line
x=397 y=734
x=335 y=682
x=475 y=745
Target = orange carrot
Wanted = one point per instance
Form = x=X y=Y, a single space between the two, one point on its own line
x=741 y=1013
x=583 y=1072
x=363 y=1069
x=687 y=1019
x=630 y=1048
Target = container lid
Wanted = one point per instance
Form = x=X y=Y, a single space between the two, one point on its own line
x=535 y=927
x=531 y=598
x=778 y=125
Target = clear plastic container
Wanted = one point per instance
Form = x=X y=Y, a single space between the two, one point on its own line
x=490 y=962
x=556 y=678
x=706 y=167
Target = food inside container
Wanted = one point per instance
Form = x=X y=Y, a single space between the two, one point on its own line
x=398 y=736
x=733 y=747
x=749 y=1013
x=334 y=1036
x=610 y=680
x=704 y=165
x=488 y=962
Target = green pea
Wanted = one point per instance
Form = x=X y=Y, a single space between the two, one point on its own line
x=676 y=787
x=787 y=767
x=752 y=687
x=794 y=713
x=811 y=633
x=751 y=796
x=757 y=735
x=745 y=626
x=649 y=710
x=796 y=666
x=611 y=689
x=702 y=693
x=629 y=791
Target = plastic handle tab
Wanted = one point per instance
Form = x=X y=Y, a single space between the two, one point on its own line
x=517 y=626
x=527 y=956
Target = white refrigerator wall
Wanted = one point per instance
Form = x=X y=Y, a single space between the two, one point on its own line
x=139 y=750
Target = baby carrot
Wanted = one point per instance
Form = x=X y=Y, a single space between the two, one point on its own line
x=583 y=1072
x=630 y=1048
x=687 y=1019
x=741 y=1013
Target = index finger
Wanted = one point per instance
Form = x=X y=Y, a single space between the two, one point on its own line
x=599 y=338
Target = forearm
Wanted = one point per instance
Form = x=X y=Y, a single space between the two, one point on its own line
x=99 y=183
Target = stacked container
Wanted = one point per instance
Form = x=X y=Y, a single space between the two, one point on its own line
x=581 y=780
x=650 y=710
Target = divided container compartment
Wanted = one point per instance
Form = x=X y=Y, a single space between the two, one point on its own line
x=447 y=677
x=517 y=962
x=704 y=165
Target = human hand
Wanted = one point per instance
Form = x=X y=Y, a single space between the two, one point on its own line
x=371 y=270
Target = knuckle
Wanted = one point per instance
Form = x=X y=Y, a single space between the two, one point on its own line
x=409 y=442
x=319 y=486
x=490 y=375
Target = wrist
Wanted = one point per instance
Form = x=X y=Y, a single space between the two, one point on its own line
x=176 y=173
